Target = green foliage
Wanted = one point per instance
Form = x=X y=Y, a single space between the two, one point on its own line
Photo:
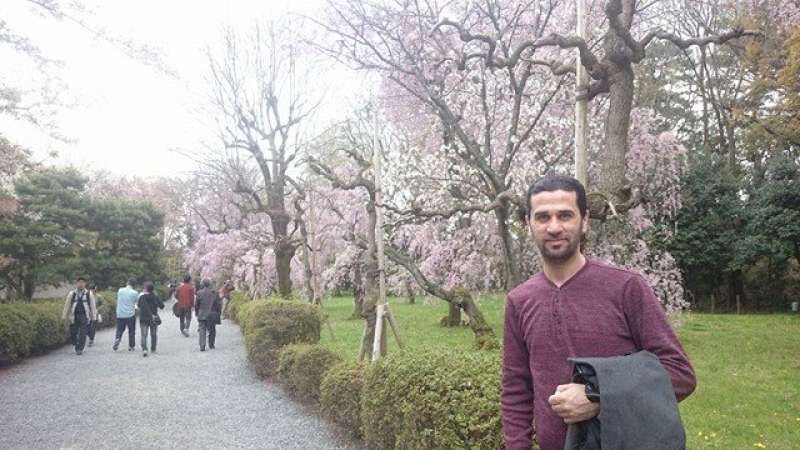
x=731 y=231
x=57 y=233
x=107 y=307
x=270 y=325
x=49 y=330
x=233 y=306
x=709 y=224
x=124 y=240
x=33 y=328
x=340 y=395
x=16 y=331
x=40 y=236
x=301 y=368
x=435 y=399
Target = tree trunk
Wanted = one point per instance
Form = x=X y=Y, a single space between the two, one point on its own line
x=358 y=291
x=410 y=292
x=612 y=174
x=284 y=252
x=453 y=318
x=28 y=286
x=484 y=335
x=371 y=288
x=618 y=121
x=511 y=271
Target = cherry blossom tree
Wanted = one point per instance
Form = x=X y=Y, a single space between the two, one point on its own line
x=473 y=119
x=258 y=93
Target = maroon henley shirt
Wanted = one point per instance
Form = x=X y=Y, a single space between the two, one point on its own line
x=601 y=311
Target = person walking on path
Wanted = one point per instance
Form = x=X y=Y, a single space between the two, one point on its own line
x=574 y=307
x=225 y=293
x=126 y=314
x=91 y=327
x=207 y=309
x=149 y=304
x=80 y=308
x=185 y=296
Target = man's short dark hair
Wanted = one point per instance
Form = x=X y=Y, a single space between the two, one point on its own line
x=206 y=282
x=80 y=279
x=551 y=183
x=187 y=278
x=131 y=281
x=148 y=286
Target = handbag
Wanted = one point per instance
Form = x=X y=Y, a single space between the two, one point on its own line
x=176 y=309
x=156 y=320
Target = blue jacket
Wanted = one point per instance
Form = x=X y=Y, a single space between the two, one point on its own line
x=126 y=302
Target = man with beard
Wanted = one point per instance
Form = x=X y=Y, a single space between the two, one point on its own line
x=574 y=307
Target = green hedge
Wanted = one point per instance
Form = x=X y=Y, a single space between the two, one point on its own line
x=301 y=368
x=16 y=331
x=433 y=400
x=33 y=328
x=232 y=307
x=270 y=325
x=340 y=395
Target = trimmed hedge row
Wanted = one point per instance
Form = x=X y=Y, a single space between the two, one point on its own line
x=433 y=400
x=34 y=328
x=301 y=368
x=271 y=325
x=410 y=401
x=232 y=307
x=340 y=395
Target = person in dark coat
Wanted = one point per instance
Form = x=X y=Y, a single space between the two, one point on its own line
x=149 y=304
x=208 y=309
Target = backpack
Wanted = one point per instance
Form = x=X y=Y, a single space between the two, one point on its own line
x=86 y=298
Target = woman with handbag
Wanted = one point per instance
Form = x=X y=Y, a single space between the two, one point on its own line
x=149 y=304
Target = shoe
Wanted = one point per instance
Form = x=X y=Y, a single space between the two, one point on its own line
x=185 y=333
x=202 y=349
x=91 y=343
x=78 y=352
x=144 y=354
x=131 y=349
x=153 y=352
x=116 y=345
x=211 y=347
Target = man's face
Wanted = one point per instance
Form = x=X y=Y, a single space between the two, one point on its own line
x=80 y=284
x=556 y=225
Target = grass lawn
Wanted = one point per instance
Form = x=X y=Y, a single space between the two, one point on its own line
x=748 y=367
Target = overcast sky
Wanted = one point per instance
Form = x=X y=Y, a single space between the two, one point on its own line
x=124 y=115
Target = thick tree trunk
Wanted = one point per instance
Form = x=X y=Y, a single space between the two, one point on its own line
x=410 y=293
x=612 y=174
x=484 y=335
x=453 y=318
x=284 y=253
x=618 y=121
x=511 y=267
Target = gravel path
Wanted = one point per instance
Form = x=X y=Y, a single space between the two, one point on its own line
x=177 y=398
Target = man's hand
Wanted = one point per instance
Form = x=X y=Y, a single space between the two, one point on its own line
x=571 y=404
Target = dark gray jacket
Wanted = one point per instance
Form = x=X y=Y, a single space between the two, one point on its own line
x=149 y=304
x=638 y=409
x=207 y=304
